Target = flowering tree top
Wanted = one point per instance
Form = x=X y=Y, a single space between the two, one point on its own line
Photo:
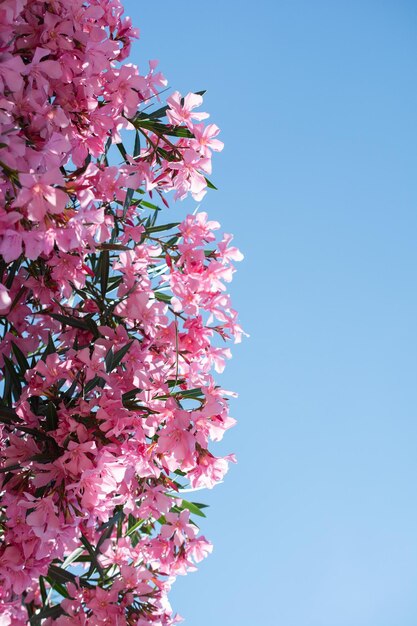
x=113 y=321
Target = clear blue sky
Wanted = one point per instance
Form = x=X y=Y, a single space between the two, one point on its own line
x=316 y=525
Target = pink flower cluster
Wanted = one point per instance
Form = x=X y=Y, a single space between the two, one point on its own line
x=112 y=323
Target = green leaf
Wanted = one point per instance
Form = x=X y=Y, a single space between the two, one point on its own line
x=61 y=589
x=193 y=507
x=114 y=282
x=136 y=147
x=72 y=557
x=168 y=156
x=59 y=575
x=42 y=589
x=51 y=417
x=122 y=151
x=93 y=554
x=9 y=468
x=134 y=527
x=50 y=348
x=20 y=358
x=114 y=360
x=67 y=396
x=149 y=205
x=97 y=381
x=171 y=242
x=12 y=379
x=130 y=395
x=50 y=611
x=191 y=393
x=163 y=297
x=159 y=112
x=163 y=129
x=162 y=227
x=128 y=200
x=76 y=322
x=12 y=272
x=104 y=271
x=210 y=184
x=152 y=221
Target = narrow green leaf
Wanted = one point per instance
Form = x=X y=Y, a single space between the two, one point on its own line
x=152 y=220
x=67 y=396
x=104 y=271
x=50 y=611
x=50 y=348
x=9 y=415
x=9 y=468
x=42 y=589
x=72 y=557
x=128 y=200
x=163 y=129
x=168 y=156
x=92 y=552
x=61 y=589
x=130 y=395
x=122 y=151
x=20 y=358
x=134 y=527
x=191 y=506
x=62 y=576
x=162 y=227
x=97 y=381
x=12 y=272
x=210 y=184
x=85 y=323
x=11 y=374
x=149 y=205
x=136 y=147
x=159 y=112
x=59 y=575
x=163 y=297
x=190 y=393
x=51 y=417
x=75 y=322
x=114 y=360
x=171 y=242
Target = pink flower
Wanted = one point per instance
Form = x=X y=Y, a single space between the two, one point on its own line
x=11 y=245
x=197 y=229
x=178 y=529
x=42 y=71
x=189 y=179
x=177 y=443
x=205 y=139
x=75 y=460
x=179 y=113
x=39 y=196
x=43 y=519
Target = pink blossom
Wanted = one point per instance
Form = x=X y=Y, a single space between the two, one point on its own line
x=44 y=520
x=39 y=196
x=178 y=528
x=179 y=113
x=205 y=138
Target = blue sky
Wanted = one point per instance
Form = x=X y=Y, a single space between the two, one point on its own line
x=317 y=101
